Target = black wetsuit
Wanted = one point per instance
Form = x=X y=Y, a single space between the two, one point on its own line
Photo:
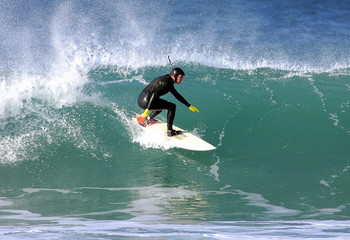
x=149 y=98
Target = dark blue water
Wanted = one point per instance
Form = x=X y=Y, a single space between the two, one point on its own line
x=271 y=81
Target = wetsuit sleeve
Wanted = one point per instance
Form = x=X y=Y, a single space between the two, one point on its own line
x=178 y=96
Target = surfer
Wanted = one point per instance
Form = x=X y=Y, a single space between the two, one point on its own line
x=150 y=100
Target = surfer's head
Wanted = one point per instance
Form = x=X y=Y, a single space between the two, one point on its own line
x=178 y=74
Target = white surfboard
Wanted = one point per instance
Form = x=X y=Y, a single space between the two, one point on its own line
x=186 y=140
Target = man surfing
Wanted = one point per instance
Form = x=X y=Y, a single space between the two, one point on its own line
x=150 y=100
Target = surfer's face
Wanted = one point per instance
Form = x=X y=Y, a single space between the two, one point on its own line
x=179 y=79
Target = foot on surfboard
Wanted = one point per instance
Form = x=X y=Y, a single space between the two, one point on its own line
x=171 y=133
x=146 y=122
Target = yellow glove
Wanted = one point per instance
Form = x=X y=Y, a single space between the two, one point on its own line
x=145 y=113
x=193 y=108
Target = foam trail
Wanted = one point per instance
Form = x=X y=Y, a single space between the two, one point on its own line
x=214 y=169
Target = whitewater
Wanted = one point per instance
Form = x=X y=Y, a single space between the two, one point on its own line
x=271 y=82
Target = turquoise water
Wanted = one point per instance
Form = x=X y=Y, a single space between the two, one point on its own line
x=73 y=166
x=281 y=160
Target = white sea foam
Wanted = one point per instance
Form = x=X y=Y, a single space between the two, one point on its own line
x=68 y=228
x=151 y=217
x=258 y=200
x=214 y=169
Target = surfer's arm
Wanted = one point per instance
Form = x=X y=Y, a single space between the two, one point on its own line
x=178 y=96
x=183 y=100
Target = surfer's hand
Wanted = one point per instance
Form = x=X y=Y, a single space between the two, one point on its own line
x=193 y=108
x=145 y=113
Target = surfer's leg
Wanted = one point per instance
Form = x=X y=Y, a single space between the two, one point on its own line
x=159 y=105
x=150 y=118
x=171 y=115
x=142 y=101
x=154 y=113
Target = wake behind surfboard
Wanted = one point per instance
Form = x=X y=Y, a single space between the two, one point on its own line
x=186 y=140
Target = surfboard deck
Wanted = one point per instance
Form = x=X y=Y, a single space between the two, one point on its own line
x=186 y=140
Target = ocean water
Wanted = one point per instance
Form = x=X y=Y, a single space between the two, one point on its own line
x=271 y=82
